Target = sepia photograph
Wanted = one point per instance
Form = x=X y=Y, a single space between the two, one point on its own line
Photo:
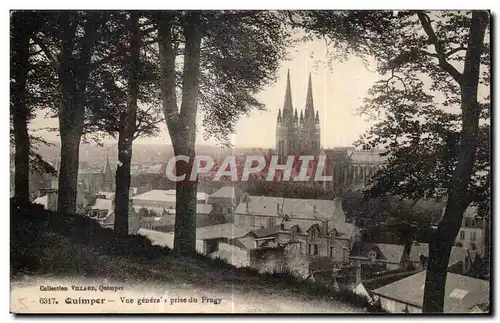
x=250 y=162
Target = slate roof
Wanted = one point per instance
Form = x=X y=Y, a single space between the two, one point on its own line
x=299 y=208
x=462 y=292
x=226 y=191
x=391 y=253
x=266 y=232
x=200 y=209
x=164 y=196
x=237 y=243
x=226 y=230
x=367 y=157
x=42 y=200
x=101 y=204
x=457 y=253
x=108 y=195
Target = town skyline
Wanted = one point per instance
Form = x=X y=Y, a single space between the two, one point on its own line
x=338 y=91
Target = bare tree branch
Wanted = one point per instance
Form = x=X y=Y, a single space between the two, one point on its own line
x=441 y=55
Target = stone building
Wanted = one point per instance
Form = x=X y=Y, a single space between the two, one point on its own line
x=294 y=135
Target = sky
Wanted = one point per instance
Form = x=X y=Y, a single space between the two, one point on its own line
x=338 y=91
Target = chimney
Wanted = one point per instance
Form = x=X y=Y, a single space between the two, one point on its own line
x=324 y=227
x=246 y=203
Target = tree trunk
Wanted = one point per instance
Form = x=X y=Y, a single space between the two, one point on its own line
x=126 y=135
x=19 y=72
x=71 y=114
x=185 y=205
x=458 y=199
x=73 y=78
x=182 y=125
x=123 y=183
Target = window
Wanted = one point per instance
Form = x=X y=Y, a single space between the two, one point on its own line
x=473 y=235
x=473 y=246
x=271 y=222
x=345 y=254
x=316 y=249
x=467 y=223
x=294 y=234
x=242 y=220
x=462 y=235
x=331 y=251
x=473 y=223
x=312 y=234
x=458 y=293
x=309 y=249
x=252 y=221
x=333 y=234
x=372 y=255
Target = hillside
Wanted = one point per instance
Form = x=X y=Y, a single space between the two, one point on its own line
x=47 y=245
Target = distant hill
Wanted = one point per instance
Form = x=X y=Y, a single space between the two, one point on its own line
x=141 y=153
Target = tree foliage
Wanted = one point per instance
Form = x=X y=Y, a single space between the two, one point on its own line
x=432 y=106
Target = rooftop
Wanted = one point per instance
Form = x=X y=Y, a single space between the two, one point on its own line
x=462 y=292
x=164 y=196
x=457 y=253
x=226 y=230
x=226 y=191
x=391 y=253
x=299 y=208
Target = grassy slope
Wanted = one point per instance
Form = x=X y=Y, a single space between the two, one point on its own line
x=49 y=243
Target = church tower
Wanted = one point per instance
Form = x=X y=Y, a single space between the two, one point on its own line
x=287 y=123
x=298 y=135
x=109 y=179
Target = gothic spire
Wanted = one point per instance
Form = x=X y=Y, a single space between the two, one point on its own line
x=108 y=173
x=301 y=116
x=279 y=115
x=309 y=101
x=317 y=116
x=287 y=106
x=295 y=116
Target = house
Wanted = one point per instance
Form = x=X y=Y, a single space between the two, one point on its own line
x=266 y=211
x=48 y=199
x=335 y=243
x=162 y=199
x=328 y=236
x=391 y=255
x=212 y=235
x=472 y=231
x=463 y=294
x=460 y=262
x=225 y=199
x=164 y=220
x=103 y=210
x=279 y=234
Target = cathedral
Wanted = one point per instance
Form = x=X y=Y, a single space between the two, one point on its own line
x=298 y=135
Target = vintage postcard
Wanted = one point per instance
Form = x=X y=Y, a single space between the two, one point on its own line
x=250 y=161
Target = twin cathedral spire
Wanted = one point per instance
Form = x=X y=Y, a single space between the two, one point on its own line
x=298 y=135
